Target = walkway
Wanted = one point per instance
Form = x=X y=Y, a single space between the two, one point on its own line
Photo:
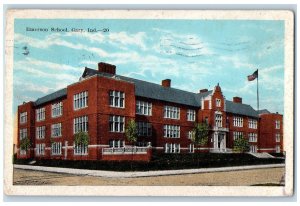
x=113 y=174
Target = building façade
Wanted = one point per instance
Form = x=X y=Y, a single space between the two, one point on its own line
x=101 y=103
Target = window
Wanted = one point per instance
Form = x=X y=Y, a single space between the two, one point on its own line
x=253 y=123
x=57 y=109
x=81 y=100
x=116 y=143
x=218 y=120
x=40 y=149
x=81 y=124
x=191 y=115
x=171 y=112
x=56 y=130
x=206 y=120
x=40 y=114
x=237 y=121
x=218 y=102
x=116 y=123
x=144 y=129
x=80 y=149
x=144 y=108
x=277 y=124
x=191 y=148
x=252 y=137
x=171 y=131
x=56 y=148
x=277 y=137
x=22 y=152
x=253 y=148
x=116 y=99
x=23 y=117
x=143 y=144
x=172 y=148
x=190 y=134
x=237 y=135
x=40 y=132
x=277 y=148
x=23 y=133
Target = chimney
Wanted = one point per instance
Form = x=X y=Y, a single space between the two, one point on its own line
x=237 y=100
x=106 y=68
x=203 y=90
x=166 y=83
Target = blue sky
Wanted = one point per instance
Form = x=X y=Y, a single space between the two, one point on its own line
x=194 y=54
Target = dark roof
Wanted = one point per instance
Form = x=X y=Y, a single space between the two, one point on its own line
x=264 y=111
x=156 y=91
x=241 y=109
x=51 y=97
x=168 y=94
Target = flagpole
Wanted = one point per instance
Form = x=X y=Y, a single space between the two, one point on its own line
x=257 y=93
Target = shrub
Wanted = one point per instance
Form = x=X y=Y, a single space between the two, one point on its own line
x=241 y=145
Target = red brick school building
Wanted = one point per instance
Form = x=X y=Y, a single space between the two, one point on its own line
x=101 y=103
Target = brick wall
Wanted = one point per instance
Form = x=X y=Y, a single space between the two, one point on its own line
x=267 y=141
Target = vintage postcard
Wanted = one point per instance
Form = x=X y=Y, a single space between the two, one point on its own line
x=149 y=103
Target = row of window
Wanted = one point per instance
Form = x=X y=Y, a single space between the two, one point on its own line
x=171 y=112
x=252 y=123
x=23 y=117
x=252 y=137
x=172 y=131
x=81 y=124
x=117 y=99
x=143 y=108
x=175 y=148
x=144 y=129
x=56 y=148
x=80 y=100
x=237 y=121
x=116 y=123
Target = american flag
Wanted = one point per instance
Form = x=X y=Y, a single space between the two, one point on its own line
x=253 y=76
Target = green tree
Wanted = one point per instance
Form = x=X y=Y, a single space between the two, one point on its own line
x=131 y=133
x=200 y=135
x=81 y=139
x=25 y=143
x=241 y=145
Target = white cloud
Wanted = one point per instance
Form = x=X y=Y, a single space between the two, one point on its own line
x=128 y=39
x=237 y=61
x=45 y=64
x=55 y=40
x=32 y=87
x=48 y=70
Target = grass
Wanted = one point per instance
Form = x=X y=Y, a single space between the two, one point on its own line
x=161 y=162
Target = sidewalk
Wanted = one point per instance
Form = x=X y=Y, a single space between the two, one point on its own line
x=112 y=174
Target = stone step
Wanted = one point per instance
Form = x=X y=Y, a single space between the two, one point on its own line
x=261 y=155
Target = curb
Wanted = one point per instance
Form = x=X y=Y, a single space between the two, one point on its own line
x=112 y=174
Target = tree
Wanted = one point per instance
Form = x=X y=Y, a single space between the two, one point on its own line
x=25 y=143
x=200 y=135
x=131 y=133
x=241 y=145
x=81 y=139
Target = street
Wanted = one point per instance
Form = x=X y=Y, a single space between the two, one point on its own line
x=269 y=176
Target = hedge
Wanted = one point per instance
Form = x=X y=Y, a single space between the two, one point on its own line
x=161 y=162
